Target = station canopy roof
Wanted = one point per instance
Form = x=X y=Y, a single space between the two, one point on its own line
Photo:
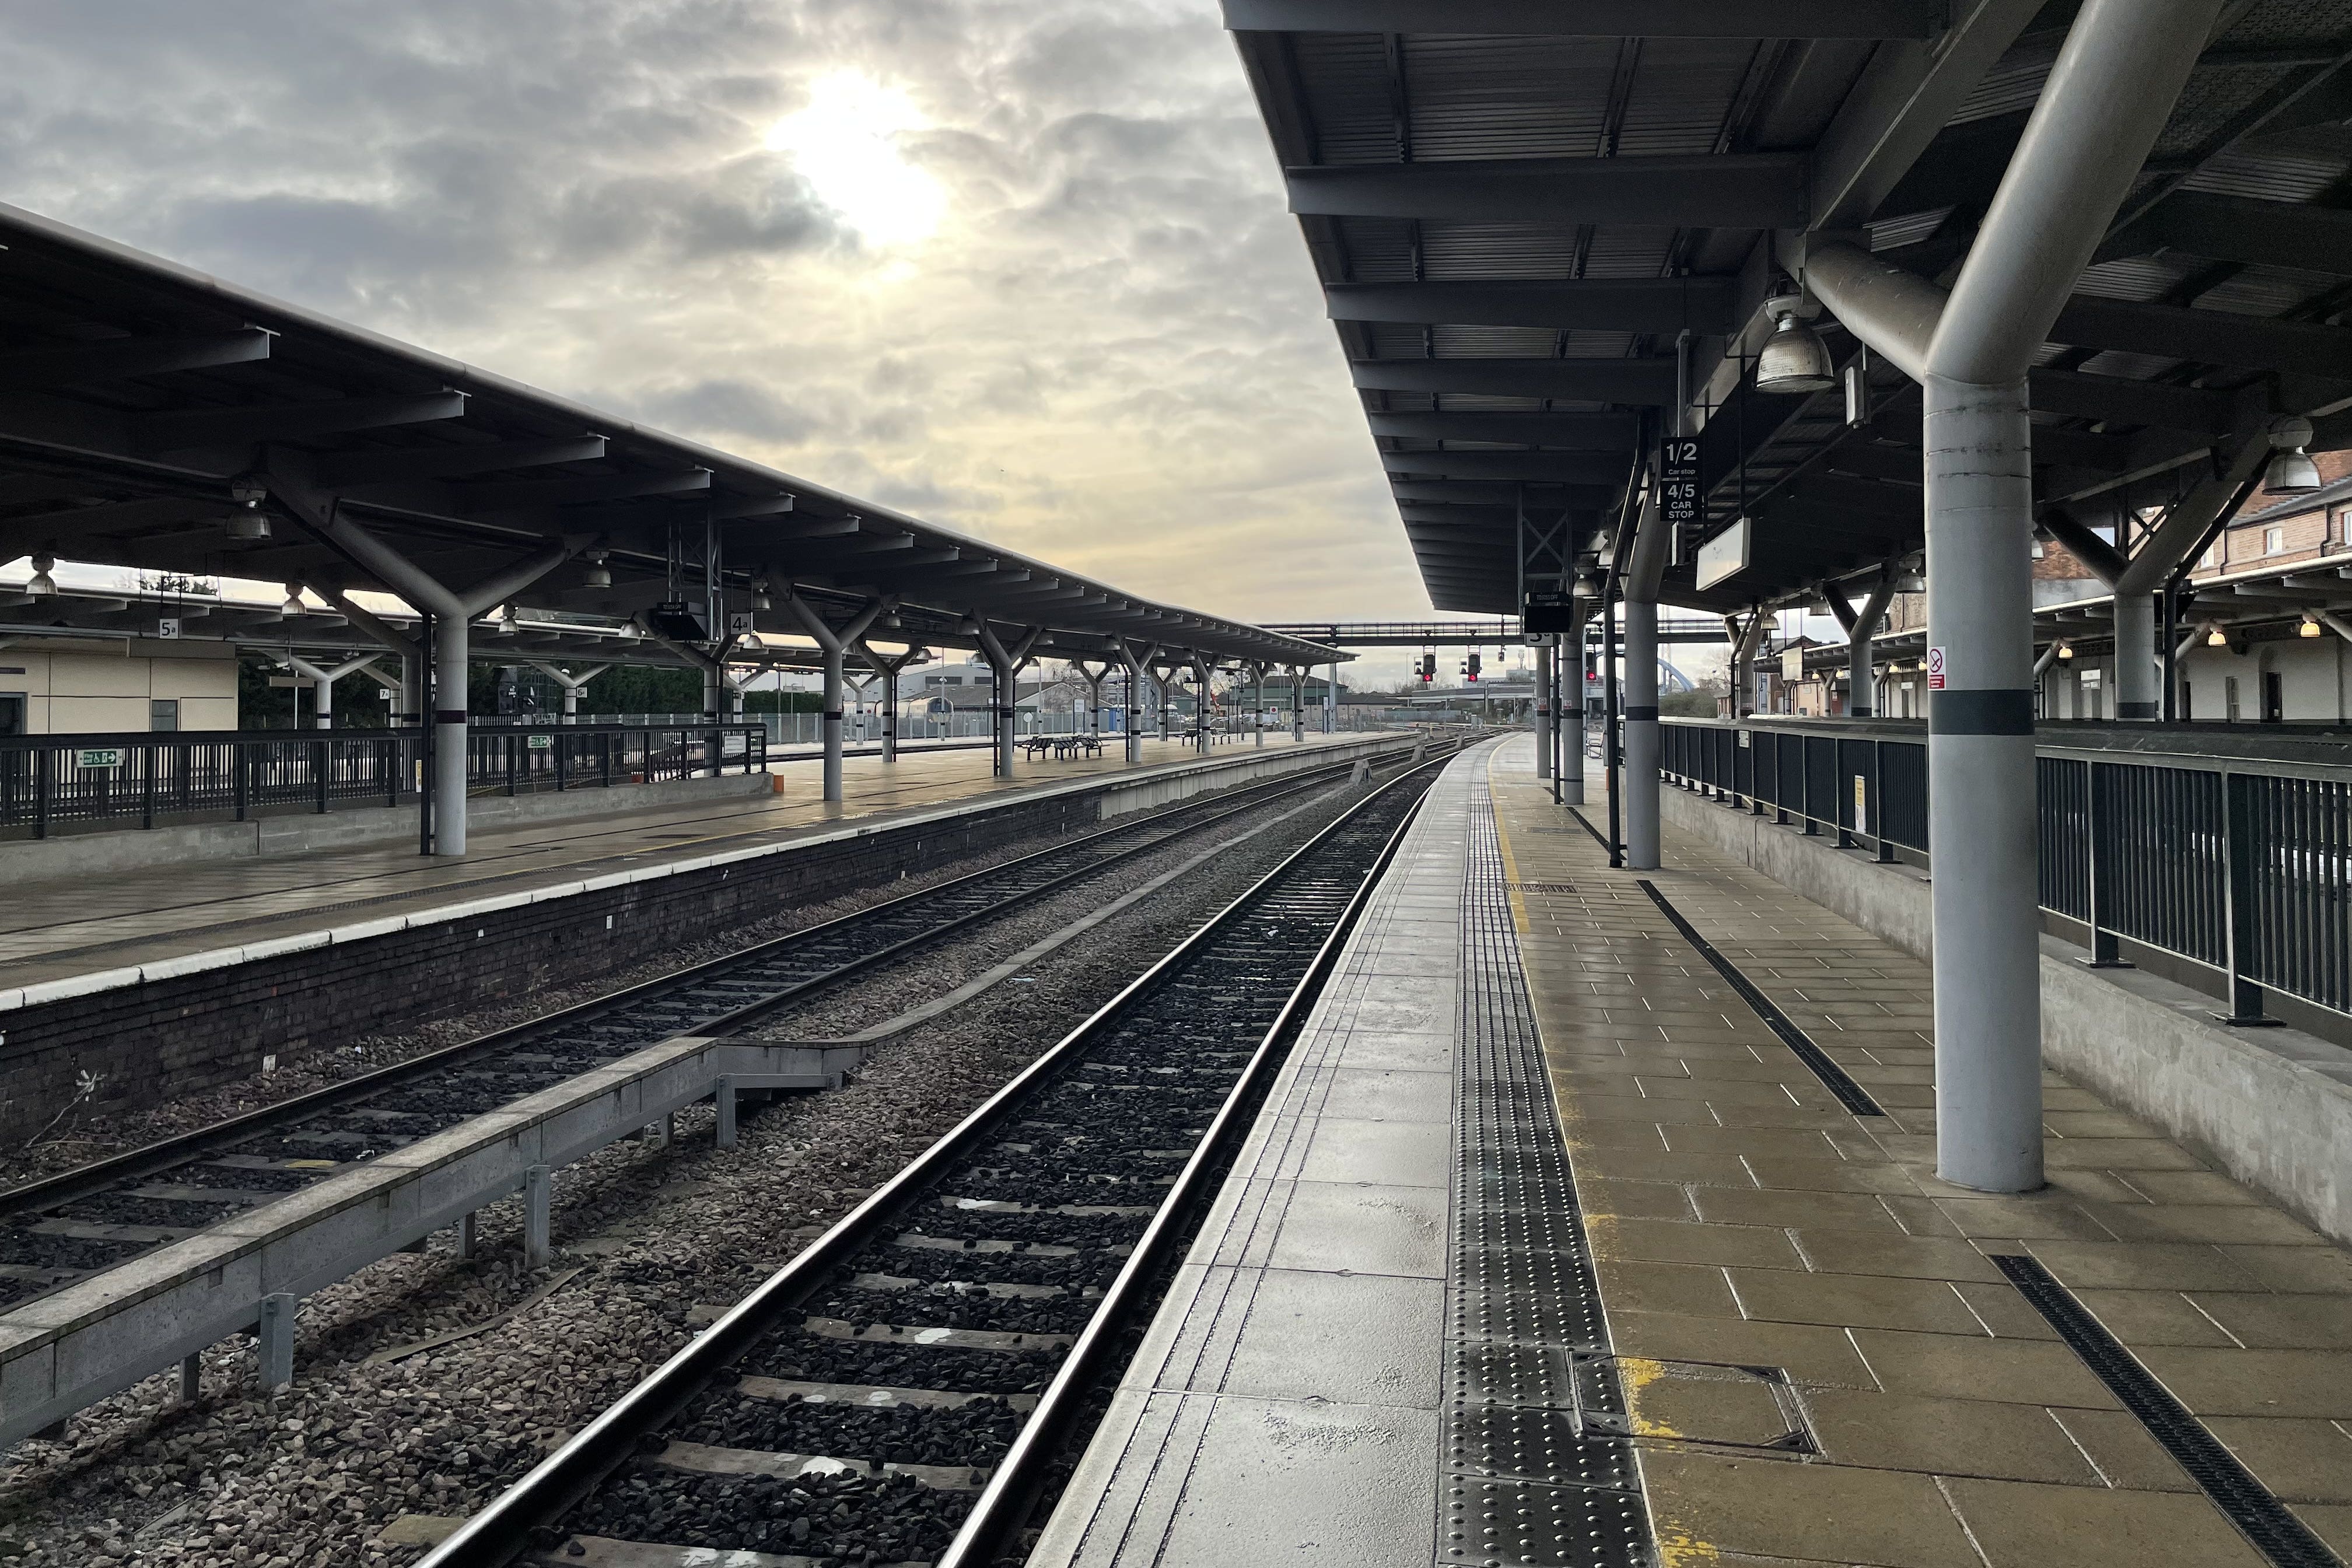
x=1514 y=222
x=136 y=394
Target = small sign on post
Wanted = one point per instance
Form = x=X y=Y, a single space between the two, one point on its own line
x=738 y=624
x=99 y=757
x=1935 y=670
x=1860 y=803
x=1678 y=480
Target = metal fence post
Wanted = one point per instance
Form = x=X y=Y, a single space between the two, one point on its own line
x=2239 y=853
x=240 y=759
x=321 y=761
x=1805 y=788
x=44 y=780
x=1878 y=799
x=2103 y=954
x=147 y=759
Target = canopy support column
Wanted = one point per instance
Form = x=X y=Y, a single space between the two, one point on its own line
x=323 y=687
x=1004 y=700
x=452 y=615
x=832 y=643
x=2122 y=68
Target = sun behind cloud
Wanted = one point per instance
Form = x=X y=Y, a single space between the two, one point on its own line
x=846 y=144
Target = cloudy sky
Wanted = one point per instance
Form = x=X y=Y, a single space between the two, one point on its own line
x=1021 y=267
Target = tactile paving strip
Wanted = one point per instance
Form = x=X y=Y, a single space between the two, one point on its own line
x=1533 y=1476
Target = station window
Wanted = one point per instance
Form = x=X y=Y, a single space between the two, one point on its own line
x=164 y=713
x=2275 y=541
x=12 y=713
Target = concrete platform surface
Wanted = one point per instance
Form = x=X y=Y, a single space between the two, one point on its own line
x=1803 y=1350
x=110 y=920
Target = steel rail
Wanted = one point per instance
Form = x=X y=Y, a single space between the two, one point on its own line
x=98 y=1175
x=1013 y=1486
x=496 y=1534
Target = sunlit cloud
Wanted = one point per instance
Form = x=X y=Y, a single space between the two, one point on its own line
x=848 y=144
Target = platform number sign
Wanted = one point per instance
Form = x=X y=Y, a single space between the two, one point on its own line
x=167 y=629
x=1678 y=479
x=740 y=624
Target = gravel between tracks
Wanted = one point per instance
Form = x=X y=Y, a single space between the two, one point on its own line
x=310 y=1477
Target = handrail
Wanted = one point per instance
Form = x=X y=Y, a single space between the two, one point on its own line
x=2237 y=862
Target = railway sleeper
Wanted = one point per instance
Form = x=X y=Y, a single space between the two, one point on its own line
x=869 y=1395
x=604 y=1552
x=1001 y=1290
x=704 y=1459
x=929 y=1334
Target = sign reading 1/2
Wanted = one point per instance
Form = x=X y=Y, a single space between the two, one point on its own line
x=1678 y=479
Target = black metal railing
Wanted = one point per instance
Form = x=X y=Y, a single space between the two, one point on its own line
x=53 y=783
x=2233 y=852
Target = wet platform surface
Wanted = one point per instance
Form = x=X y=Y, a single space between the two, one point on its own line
x=67 y=927
x=1806 y=1349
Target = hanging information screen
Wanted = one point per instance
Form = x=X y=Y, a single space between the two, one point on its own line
x=1678 y=479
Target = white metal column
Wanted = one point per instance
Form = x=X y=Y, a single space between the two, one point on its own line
x=2123 y=65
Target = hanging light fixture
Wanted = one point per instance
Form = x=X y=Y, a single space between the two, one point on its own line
x=510 y=620
x=2291 y=472
x=293 y=605
x=2065 y=650
x=42 y=586
x=598 y=575
x=2217 y=639
x=2310 y=628
x=248 y=523
x=761 y=598
x=1793 y=359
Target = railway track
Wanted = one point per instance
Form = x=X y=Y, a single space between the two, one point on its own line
x=896 y=1393
x=97 y=1217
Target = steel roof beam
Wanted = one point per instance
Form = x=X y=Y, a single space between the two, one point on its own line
x=1596 y=304
x=152 y=434
x=1648 y=381
x=1732 y=190
x=521 y=493
x=1909 y=93
x=1577 y=432
x=1542 y=501
x=2109 y=397
x=360 y=470
x=1864 y=19
x=1555 y=467
x=124 y=359
x=2241 y=229
x=2207 y=337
